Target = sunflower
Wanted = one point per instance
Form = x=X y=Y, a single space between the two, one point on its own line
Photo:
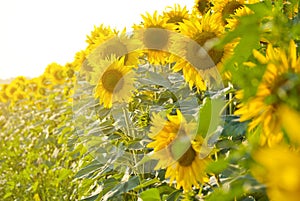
x=201 y=7
x=98 y=36
x=80 y=63
x=233 y=22
x=56 y=73
x=224 y=9
x=19 y=95
x=118 y=45
x=290 y=119
x=176 y=14
x=196 y=54
x=274 y=89
x=3 y=96
x=11 y=89
x=278 y=169
x=115 y=83
x=177 y=148
x=155 y=36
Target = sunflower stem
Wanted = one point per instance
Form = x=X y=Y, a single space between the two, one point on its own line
x=131 y=133
x=218 y=180
x=128 y=125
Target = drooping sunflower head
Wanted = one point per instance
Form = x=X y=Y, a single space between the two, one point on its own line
x=201 y=7
x=115 y=83
x=225 y=9
x=155 y=36
x=176 y=14
x=280 y=84
x=176 y=147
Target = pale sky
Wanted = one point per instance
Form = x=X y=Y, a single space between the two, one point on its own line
x=35 y=33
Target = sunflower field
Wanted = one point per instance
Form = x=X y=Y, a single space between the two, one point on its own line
x=200 y=104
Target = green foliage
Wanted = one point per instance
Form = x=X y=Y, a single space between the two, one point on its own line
x=38 y=159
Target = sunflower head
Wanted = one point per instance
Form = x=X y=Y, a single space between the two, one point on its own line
x=98 y=36
x=225 y=9
x=278 y=169
x=204 y=34
x=114 y=83
x=202 y=6
x=11 y=89
x=176 y=147
x=280 y=84
x=233 y=21
x=175 y=15
x=155 y=36
x=56 y=73
x=3 y=96
x=197 y=52
x=19 y=95
x=120 y=45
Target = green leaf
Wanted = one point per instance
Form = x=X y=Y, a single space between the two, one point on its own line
x=156 y=79
x=210 y=116
x=151 y=194
x=123 y=187
x=147 y=183
x=174 y=196
x=84 y=172
x=217 y=166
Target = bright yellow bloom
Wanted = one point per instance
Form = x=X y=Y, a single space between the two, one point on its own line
x=278 y=169
x=98 y=36
x=177 y=148
x=196 y=55
x=118 y=45
x=290 y=123
x=56 y=73
x=3 y=96
x=20 y=95
x=11 y=89
x=226 y=8
x=233 y=21
x=114 y=83
x=176 y=14
x=155 y=36
x=262 y=109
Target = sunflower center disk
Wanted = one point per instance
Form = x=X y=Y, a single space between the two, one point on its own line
x=156 y=38
x=188 y=157
x=198 y=56
x=203 y=6
x=175 y=19
x=182 y=151
x=229 y=9
x=112 y=80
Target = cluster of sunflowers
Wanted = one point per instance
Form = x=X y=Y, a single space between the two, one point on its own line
x=200 y=105
x=29 y=91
